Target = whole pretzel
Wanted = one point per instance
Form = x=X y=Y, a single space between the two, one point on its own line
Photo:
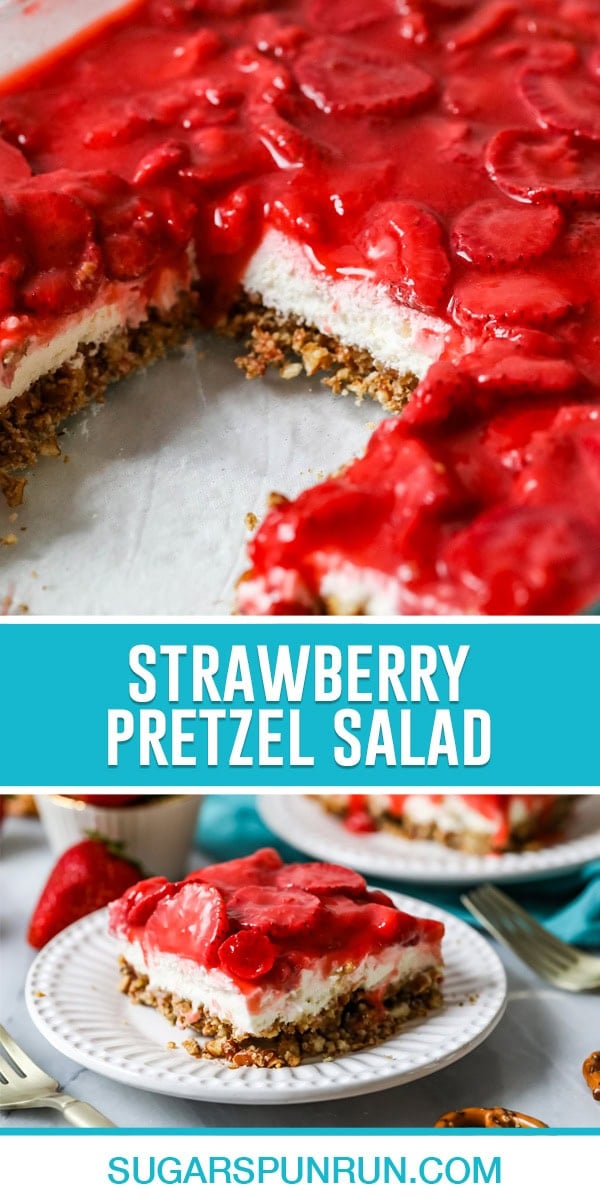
x=488 y=1118
x=591 y=1073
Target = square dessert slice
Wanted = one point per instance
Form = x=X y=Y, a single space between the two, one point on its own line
x=276 y=963
x=473 y=824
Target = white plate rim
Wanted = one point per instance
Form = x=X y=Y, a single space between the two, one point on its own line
x=300 y=822
x=469 y=1021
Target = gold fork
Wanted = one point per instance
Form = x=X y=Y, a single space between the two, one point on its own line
x=554 y=960
x=24 y=1085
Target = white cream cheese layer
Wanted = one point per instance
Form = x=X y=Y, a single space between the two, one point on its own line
x=356 y=310
x=219 y=994
x=454 y=814
x=118 y=306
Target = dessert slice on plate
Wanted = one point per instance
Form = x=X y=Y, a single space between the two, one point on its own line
x=473 y=824
x=275 y=963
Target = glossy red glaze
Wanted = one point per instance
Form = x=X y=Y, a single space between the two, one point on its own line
x=448 y=152
x=292 y=917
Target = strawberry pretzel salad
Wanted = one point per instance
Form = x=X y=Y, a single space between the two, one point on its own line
x=472 y=824
x=275 y=964
x=402 y=196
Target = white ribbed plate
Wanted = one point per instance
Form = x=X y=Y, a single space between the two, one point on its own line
x=300 y=821
x=73 y=998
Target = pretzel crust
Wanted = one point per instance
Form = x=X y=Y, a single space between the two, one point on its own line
x=591 y=1073
x=488 y=1118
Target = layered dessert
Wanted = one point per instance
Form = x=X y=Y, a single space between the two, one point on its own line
x=403 y=197
x=473 y=824
x=269 y=964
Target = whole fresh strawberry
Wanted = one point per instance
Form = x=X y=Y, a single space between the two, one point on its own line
x=86 y=877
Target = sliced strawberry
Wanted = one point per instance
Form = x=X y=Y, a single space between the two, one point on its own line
x=500 y=367
x=524 y=560
x=63 y=290
x=96 y=190
x=132 y=232
x=531 y=165
x=282 y=913
x=388 y=924
x=513 y=296
x=376 y=897
x=429 y=931
x=121 y=126
x=351 y=15
x=359 y=822
x=141 y=900
x=543 y=54
x=321 y=879
x=341 y=917
x=247 y=954
x=253 y=869
x=444 y=389
x=567 y=102
x=404 y=242
x=191 y=924
x=14 y=167
x=220 y=154
x=128 y=255
x=481 y=25
x=196 y=48
x=234 y=222
x=289 y=146
x=340 y=81
x=161 y=162
x=178 y=215
x=55 y=227
x=271 y=36
x=563 y=460
x=493 y=233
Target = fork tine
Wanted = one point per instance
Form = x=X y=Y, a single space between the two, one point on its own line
x=24 y=1064
x=522 y=944
x=559 y=952
x=524 y=941
x=8 y=1073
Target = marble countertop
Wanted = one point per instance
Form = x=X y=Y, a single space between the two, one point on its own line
x=532 y=1061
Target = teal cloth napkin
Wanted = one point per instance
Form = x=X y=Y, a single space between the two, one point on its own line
x=569 y=905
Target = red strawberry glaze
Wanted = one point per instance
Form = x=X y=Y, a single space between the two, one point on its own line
x=448 y=152
x=302 y=916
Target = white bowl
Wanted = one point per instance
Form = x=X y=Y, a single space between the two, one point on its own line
x=157 y=832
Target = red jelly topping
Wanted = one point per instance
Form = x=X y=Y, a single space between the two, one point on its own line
x=291 y=917
x=449 y=152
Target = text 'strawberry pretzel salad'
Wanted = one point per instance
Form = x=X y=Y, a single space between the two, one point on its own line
x=276 y=963
x=473 y=824
x=400 y=193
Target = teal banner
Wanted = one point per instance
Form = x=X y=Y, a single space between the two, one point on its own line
x=308 y=703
